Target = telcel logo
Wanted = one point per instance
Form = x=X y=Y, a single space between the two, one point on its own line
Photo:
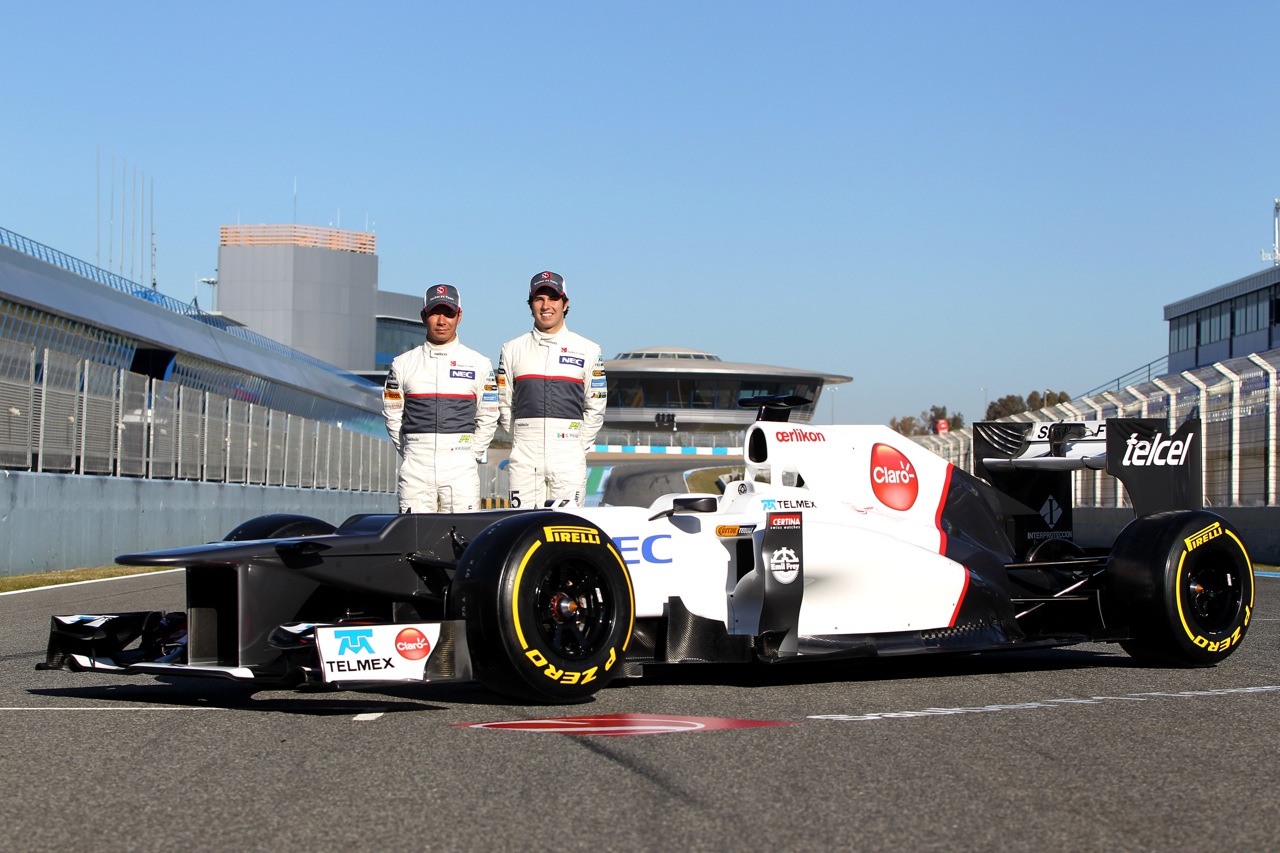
x=893 y=478
x=1159 y=451
x=412 y=644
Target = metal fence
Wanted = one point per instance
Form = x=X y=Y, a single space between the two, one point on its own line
x=59 y=413
x=1235 y=400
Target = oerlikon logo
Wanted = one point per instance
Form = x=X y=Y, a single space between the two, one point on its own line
x=893 y=478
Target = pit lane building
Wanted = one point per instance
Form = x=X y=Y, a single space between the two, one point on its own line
x=1228 y=321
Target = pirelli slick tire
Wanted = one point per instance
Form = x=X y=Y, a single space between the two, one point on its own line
x=279 y=526
x=1183 y=583
x=548 y=605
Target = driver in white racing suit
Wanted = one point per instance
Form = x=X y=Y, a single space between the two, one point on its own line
x=551 y=395
x=441 y=404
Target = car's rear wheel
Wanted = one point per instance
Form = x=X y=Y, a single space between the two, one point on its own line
x=548 y=605
x=1183 y=583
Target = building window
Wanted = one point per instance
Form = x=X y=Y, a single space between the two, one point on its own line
x=1251 y=312
x=1182 y=333
x=1215 y=323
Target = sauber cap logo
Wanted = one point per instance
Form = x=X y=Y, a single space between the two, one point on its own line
x=567 y=533
x=893 y=477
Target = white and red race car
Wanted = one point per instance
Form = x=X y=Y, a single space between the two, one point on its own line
x=840 y=541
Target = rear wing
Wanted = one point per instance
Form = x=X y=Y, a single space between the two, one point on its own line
x=1032 y=464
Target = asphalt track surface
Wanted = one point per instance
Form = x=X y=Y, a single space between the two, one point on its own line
x=1072 y=749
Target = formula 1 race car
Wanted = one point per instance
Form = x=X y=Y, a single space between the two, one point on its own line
x=840 y=541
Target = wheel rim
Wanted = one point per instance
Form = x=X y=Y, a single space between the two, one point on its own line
x=1214 y=593
x=574 y=608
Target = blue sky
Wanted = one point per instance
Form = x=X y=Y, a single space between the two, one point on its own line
x=934 y=198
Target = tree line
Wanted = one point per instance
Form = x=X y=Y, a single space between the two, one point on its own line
x=936 y=420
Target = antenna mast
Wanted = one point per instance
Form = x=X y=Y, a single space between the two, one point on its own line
x=1274 y=254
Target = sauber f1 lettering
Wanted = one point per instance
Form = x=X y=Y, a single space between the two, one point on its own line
x=838 y=541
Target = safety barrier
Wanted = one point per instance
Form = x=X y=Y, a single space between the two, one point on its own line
x=63 y=414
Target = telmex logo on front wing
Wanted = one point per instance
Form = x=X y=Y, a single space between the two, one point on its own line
x=565 y=533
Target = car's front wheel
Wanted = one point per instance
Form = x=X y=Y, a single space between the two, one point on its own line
x=548 y=605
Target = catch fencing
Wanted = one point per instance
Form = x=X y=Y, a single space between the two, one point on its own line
x=1236 y=402
x=63 y=414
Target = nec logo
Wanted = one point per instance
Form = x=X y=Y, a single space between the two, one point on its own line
x=1161 y=451
x=631 y=544
x=893 y=478
x=571 y=359
x=462 y=374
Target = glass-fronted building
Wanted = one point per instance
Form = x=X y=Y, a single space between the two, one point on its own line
x=1229 y=321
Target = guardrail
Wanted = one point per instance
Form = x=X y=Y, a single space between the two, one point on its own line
x=63 y=414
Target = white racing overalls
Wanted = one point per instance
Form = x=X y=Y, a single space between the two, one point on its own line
x=441 y=406
x=551 y=397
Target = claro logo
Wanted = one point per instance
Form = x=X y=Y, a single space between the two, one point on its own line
x=1158 y=451
x=412 y=644
x=893 y=478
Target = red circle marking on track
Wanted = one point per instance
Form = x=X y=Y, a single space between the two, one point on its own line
x=620 y=725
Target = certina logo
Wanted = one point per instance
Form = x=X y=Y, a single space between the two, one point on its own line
x=1195 y=540
x=773 y=503
x=893 y=477
x=462 y=374
x=785 y=565
x=791 y=520
x=1141 y=453
x=565 y=533
x=412 y=644
x=353 y=641
x=798 y=435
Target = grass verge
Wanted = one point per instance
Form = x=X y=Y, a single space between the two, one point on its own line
x=13 y=583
